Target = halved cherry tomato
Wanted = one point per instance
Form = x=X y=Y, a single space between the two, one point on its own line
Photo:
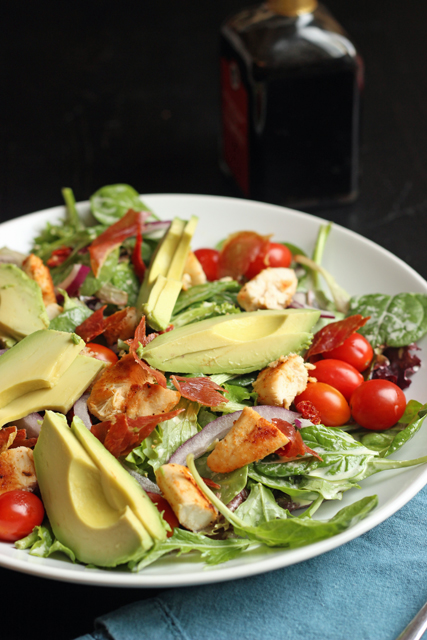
x=20 y=512
x=338 y=374
x=102 y=353
x=356 y=350
x=276 y=255
x=330 y=403
x=164 y=507
x=377 y=404
x=208 y=258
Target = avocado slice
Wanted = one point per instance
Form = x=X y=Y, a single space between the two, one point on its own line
x=22 y=310
x=118 y=485
x=238 y=343
x=70 y=386
x=163 y=279
x=36 y=362
x=80 y=512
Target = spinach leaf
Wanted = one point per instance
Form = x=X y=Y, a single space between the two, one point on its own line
x=201 y=312
x=297 y=532
x=408 y=433
x=112 y=202
x=203 y=292
x=211 y=550
x=74 y=314
x=91 y=284
x=260 y=507
x=230 y=483
x=124 y=278
x=395 y=321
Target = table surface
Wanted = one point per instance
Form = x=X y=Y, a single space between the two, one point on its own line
x=94 y=93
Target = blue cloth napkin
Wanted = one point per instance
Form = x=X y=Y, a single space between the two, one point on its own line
x=368 y=589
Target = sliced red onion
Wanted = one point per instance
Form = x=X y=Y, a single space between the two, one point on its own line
x=156 y=225
x=144 y=482
x=109 y=294
x=2 y=351
x=81 y=411
x=9 y=256
x=218 y=429
x=238 y=500
x=31 y=423
x=300 y=423
x=74 y=280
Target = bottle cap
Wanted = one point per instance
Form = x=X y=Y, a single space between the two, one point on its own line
x=292 y=7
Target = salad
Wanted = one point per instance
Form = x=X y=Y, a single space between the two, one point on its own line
x=329 y=411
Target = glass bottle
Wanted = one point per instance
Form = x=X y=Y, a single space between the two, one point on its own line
x=291 y=82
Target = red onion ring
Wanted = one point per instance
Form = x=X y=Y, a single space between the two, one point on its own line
x=74 y=280
x=144 y=482
x=31 y=424
x=81 y=411
x=217 y=429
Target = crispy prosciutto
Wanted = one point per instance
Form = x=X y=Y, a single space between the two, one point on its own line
x=202 y=390
x=120 y=325
x=334 y=334
x=295 y=447
x=130 y=225
x=238 y=251
x=92 y=326
x=141 y=338
x=122 y=434
x=12 y=437
x=308 y=411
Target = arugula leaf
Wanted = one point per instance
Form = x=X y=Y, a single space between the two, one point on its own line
x=124 y=278
x=408 y=433
x=75 y=312
x=395 y=321
x=211 y=550
x=72 y=213
x=260 y=507
x=112 y=202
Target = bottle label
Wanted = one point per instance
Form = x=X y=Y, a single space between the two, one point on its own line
x=234 y=110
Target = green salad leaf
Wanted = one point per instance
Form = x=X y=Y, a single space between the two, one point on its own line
x=112 y=202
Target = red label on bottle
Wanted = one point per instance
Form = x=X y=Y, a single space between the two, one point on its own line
x=234 y=109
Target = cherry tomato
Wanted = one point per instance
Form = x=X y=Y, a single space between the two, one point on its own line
x=208 y=258
x=276 y=255
x=377 y=404
x=20 y=512
x=330 y=403
x=356 y=350
x=163 y=506
x=102 y=353
x=338 y=374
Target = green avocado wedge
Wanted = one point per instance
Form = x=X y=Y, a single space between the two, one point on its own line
x=80 y=512
x=118 y=485
x=238 y=343
x=22 y=310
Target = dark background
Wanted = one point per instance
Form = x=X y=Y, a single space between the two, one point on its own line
x=97 y=92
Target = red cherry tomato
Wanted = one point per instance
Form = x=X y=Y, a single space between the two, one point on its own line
x=377 y=404
x=208 y=258
x=277 y=255
x=163 y=506
x=102 y=353
x=356 y=350
x=20 y=512
x=338 y=374
x=330 y=403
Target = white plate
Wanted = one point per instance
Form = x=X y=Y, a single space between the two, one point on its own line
x=360 y=266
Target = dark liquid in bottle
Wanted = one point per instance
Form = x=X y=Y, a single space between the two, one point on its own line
x=290 y=106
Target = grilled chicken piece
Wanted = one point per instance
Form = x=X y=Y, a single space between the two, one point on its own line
x=17 y=470
x=191 y=507
x=39 y=272
x=272 y=288
x=250 y=438
x=128 y=388
x=193 y=272
x=282 y=381
x=121 y=325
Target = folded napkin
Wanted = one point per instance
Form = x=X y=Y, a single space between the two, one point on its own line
x=368 y=589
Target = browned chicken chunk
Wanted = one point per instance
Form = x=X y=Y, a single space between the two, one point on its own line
x=17 y=470
x=127 y=388
x=39 y=272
